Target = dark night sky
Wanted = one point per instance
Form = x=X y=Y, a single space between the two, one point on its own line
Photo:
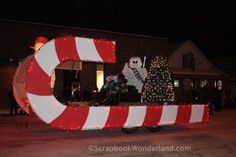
x=209 y=24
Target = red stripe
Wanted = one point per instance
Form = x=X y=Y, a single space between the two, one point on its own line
x=153 y=115
x=106 y=50
x=205 y=117
x=37 y=81
x=31 y=112
x=72 y=118
x=183 y=114
x=66 y=49
x=117 y=117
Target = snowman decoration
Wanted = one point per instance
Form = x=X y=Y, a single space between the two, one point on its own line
x=135 y=73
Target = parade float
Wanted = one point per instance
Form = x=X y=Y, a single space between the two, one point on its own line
x=33 y=92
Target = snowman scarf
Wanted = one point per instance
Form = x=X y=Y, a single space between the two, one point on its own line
x=137 y=74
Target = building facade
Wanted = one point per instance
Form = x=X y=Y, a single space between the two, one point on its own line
x=191 y=71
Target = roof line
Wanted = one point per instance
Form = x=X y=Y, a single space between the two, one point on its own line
x=84 y=29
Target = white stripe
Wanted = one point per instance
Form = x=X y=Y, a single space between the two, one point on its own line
x=87 y=50
x=136 y=116
x=169 y=114
x=97 y=118
x=46 y=107
x=196 y=113
x=47 y=57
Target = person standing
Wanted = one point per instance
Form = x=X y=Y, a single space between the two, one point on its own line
x=13 y=103
x=86 y=94
x=218 y=99
x=207 y=97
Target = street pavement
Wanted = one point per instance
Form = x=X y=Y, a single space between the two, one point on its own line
x=27 y=136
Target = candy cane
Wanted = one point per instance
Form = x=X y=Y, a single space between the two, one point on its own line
x=52 y=112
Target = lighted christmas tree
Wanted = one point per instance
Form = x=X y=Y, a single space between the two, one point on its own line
x=158 y=86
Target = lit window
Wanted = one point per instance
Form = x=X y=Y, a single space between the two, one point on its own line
x=176 y=83
x=203 y=83
x=100 y=76
x=219 y=84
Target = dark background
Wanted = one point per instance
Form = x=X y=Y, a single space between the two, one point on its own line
x=209 y=24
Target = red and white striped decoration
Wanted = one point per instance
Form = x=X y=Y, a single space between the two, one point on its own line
x=52 y=112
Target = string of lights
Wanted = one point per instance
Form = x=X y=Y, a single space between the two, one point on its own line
x=158 y=86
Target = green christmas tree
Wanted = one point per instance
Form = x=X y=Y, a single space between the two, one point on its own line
x=158 y=86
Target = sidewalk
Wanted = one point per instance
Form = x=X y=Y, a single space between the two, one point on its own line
x=4 y=111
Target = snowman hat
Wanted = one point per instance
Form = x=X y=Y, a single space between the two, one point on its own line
x=41 y=39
